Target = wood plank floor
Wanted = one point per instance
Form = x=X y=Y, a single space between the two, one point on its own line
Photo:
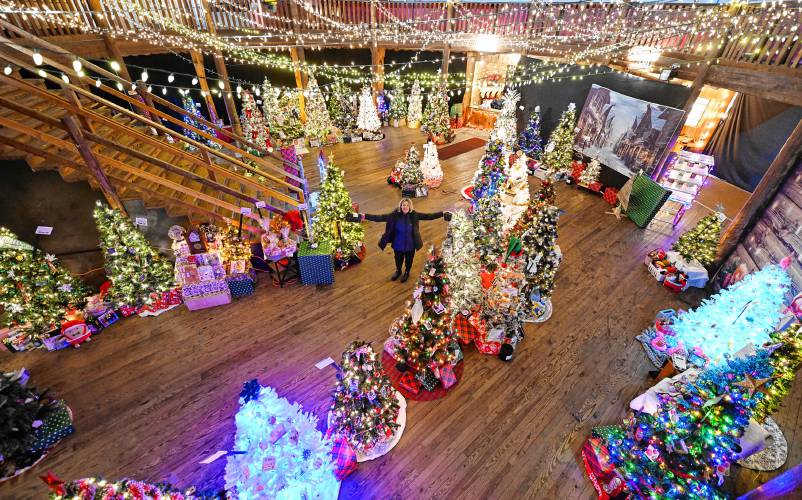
x=154 y=396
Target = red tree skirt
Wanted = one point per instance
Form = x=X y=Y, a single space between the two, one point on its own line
x=388 y=362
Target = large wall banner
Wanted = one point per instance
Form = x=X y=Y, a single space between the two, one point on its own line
x=624 y=133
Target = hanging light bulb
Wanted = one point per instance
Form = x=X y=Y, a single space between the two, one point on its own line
x=98 y=82
x=76 y=65
x=257 y=91
x=37 y=58
x=144 y=75
x=65 y=78
x=170 y=78
x=221 y=85
x=7 y=70
x=239 y=89
x=42 y=73
x=164 y=91
x=150 y=89
x=194 y=81
x=81 y=73
x=115 y=66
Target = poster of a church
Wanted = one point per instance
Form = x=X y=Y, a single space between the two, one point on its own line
x=624 y=133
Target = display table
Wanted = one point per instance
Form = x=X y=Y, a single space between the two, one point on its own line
x=285 y=271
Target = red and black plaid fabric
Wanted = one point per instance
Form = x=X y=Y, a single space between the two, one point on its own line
x=447 y=376
x=465 y=331
x=344 y=458
x=480 y=325
x=388 y=363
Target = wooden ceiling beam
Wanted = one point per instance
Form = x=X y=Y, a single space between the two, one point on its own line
x=111 y=45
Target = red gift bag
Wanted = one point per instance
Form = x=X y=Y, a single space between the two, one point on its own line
x=602 y=474
x=464 y=329
x=344 y=458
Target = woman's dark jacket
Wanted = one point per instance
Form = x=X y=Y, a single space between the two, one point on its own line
x=392 y=218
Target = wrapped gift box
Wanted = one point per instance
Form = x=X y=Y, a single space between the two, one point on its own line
x=409 y=382
x=316 y=264
x=240 y=285
x=205 y=295
x=55 y=427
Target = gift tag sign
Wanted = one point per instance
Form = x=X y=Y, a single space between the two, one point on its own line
x=324 y=363
x=245 y=211
x=44 y=230
x=260 y=204
x=141 y=221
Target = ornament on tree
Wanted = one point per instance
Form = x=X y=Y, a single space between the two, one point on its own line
x=135 y=270
x=415 y=106
x=560 y=149
x=432 y=172
x=436 y=121
x=368 y=119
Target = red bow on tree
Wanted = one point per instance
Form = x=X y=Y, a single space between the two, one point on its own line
x=55 y=484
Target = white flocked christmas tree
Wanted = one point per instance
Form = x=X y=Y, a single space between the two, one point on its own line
x=462 y=264
x=270 y=106
x=368 y=119
x=515 y=192
x=591 y=172
x=506 y=126
x=432 y=172
x=415 y=109
x=254 y=127
x=318 y=123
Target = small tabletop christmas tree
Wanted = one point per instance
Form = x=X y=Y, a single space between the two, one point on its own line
x=436 y=121
x=368 y=119
x=530 y=141
x=487 y=222
x=425 y=343
x=254 y=127
x=333 y=206
x=133 y=267
x=491 y=171
x=415 y=105
x=432 y=172
x=281 y=452
x=412 y=175
x=364 y=407
x=560 y=149
x=235 y=250
x=318 y=124
x=701 y=242
x=591 y=173
x=462 y=264
x=506 y=123
x=35 y=291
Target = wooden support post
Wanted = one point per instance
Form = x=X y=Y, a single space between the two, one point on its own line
x=222 y=72
x=111 y=45
x=377 y=62
x=297 y=55
x=92 y=163
x=200 y=70
x=772 y=180
x=446 y=60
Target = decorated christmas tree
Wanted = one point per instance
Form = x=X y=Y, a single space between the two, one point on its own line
x=254 y=127
x=191 y=107
x=342 y=108
x=415 y=105
x=701 y=242
x=23 y=410
x=546 y=193
x=364 y=407
x=462 y=264
x=559 y=151
x=133 y=267
x=591 y=173
x=491 y=171
x=318 y=124
x=514 y=193
x=270 y=106
x=432 y=172
x=506 y=123
x=285 y=122
x=398 y=104
x=785 y=359
x=235 y=249
x=333 y=206
x=436 y=121
x=530 y=141
x=424 y=341
x=746 y=312
x=487 y=221
x=382 y=105
x=95 y=488
x=35 y=291
x=412 y=175
x=684 y=449
x=368 y=119
x=280 y=452
x=537 y=232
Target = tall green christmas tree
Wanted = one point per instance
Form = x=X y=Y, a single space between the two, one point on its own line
x=412 y=174
x=530 y=141
x=560 y=149
x=35 y=291
x=785 y=359
x=333 y=207
x=537 y=232
x=134 y=268
x=286 y=120
x=254 y=127
x=701 y=242
x=318 y=124
x=491 y=171
x=398 y=104
x=436 y=121
x=342 y=107
x=487 y=222
x=423 y=333
x=415 y=104
x=506 y=124
x=270 y=106
x=364 y=408
x=462 y=263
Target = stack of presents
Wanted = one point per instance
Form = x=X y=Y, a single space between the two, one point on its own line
x=674 y=271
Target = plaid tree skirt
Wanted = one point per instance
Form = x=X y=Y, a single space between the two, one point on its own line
x=388 y=362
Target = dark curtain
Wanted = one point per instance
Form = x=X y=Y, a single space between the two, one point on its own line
x=746 y=142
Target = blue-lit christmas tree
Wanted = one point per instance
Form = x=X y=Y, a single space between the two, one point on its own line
x=684 y=448
x=746 y=312
x=280 y=452
x=530 y=141
x=491 y=171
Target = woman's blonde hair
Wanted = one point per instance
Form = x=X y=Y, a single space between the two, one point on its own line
x=409 y=202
